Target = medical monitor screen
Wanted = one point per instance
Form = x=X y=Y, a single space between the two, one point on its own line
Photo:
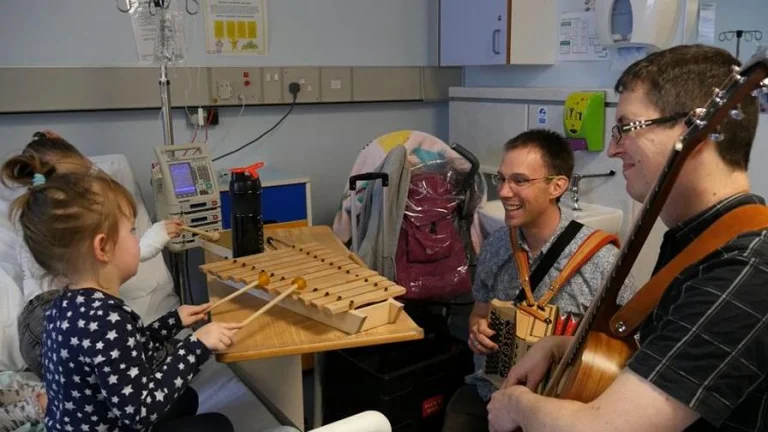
x=183 y=183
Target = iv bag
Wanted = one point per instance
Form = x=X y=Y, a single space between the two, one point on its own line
x=166 y=35
x=170 y=46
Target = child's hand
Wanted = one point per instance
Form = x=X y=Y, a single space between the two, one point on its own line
x=173 y=227
x=191 y=314
x=217 y=336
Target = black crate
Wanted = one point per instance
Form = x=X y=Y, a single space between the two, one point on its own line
x=409 y=382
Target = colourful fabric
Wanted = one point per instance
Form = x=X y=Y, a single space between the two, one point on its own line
x=20 y=410
x=423 y=150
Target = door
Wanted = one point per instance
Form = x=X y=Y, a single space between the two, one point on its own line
x=473 y=32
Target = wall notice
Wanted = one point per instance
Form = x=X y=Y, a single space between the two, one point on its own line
x=236 y=27
x=578 y=38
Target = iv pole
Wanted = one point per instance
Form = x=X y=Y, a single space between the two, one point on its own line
x=178 y=264
x=748 y=36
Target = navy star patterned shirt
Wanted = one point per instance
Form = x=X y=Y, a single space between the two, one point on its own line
x=97 y=364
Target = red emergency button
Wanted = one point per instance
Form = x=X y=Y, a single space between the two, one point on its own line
x=246 y=74
x=247 y=83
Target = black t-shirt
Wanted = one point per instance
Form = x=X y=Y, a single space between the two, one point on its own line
x=706 y=343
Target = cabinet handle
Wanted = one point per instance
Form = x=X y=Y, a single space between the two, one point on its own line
x=496 y=35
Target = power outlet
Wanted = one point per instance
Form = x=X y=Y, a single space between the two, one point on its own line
x=309 y=80
x=233 y=86
x=224 y=90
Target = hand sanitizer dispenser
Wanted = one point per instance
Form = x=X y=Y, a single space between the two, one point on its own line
x=584 y=120
x=650 y=24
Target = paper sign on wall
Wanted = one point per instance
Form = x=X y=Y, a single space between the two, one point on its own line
x=707 y=23
x=578 y=39
x=542 y=116
x=236 y=27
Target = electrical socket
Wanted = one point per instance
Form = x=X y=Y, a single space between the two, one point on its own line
x=224 y=89
x=210 y=114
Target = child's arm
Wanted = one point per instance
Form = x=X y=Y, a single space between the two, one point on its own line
x=154 y=240
x=165 y=327
x=171 y=323
x=135 y=393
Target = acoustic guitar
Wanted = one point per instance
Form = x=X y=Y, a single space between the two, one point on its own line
x=600 y=350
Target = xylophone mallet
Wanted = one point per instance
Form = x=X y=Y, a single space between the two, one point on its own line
x=296 y=284
x=213 y=235
x=262 y=281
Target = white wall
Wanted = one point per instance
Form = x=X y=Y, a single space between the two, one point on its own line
x=320 y=141
x=301 y=32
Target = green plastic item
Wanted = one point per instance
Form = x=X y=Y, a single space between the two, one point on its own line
x=584 y=120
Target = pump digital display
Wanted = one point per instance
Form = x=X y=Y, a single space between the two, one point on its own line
x=183 y=183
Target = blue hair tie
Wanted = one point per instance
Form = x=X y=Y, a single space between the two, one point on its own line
x=38 y=179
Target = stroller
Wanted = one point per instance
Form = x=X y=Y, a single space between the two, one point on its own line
x=415 y=217
x=410 y=207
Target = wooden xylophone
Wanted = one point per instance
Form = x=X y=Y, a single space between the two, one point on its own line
x=339 y=292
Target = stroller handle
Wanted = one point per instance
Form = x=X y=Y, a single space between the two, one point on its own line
x=475 y=164
x=368 y=176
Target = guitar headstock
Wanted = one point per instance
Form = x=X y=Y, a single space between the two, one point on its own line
x=749 y=80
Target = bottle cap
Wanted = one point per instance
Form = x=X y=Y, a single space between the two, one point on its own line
x=251 y=169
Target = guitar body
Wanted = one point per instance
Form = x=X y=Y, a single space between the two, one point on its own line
x=598 y=362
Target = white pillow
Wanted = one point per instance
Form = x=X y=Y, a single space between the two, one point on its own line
x=11 y=304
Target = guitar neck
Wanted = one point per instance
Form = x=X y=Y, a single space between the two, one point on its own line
x=609 y=291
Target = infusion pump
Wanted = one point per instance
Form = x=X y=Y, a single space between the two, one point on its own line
x=186 y=188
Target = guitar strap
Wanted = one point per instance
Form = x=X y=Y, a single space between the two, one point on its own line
x=736 y=222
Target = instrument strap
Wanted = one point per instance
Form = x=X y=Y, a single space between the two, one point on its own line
x=736 y=222
x=546 y=263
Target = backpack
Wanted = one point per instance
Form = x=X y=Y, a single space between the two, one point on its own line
x=430 y=260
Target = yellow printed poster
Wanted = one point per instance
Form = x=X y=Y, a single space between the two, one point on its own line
x=236 y=27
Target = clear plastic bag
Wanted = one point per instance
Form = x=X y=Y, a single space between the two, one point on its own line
x=169 y=41
x=170 y=47
x=432 y=257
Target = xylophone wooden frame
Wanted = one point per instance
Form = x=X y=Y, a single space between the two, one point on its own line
x=331 y=273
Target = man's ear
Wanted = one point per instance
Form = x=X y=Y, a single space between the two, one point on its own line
x=101 y=249
x=558 y=186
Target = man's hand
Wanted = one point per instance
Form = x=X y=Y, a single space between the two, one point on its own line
x=502 y=410
x=190 y=314
x=533 y=366
x=479 y=334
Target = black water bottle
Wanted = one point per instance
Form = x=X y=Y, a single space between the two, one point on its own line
x=247 y=221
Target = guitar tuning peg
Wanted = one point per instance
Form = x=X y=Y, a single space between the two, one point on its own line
x=717 y=137
x=718 y=96
x=736 y=113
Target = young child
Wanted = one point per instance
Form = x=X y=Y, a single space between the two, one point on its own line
x=39 y=290
x=96 y=352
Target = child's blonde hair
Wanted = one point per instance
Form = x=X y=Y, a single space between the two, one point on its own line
x=61 y=213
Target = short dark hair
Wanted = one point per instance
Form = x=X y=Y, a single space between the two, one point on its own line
x=681 y=78
x=555 y=151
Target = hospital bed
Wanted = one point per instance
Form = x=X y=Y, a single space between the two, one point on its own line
x=150 y=293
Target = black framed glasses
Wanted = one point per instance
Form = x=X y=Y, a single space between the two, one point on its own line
x=619 y=130
x=517 y=180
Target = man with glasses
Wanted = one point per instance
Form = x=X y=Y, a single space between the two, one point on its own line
x=702 y=352
x=532 y=177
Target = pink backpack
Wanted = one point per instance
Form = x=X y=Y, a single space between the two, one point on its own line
x=430 y=259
